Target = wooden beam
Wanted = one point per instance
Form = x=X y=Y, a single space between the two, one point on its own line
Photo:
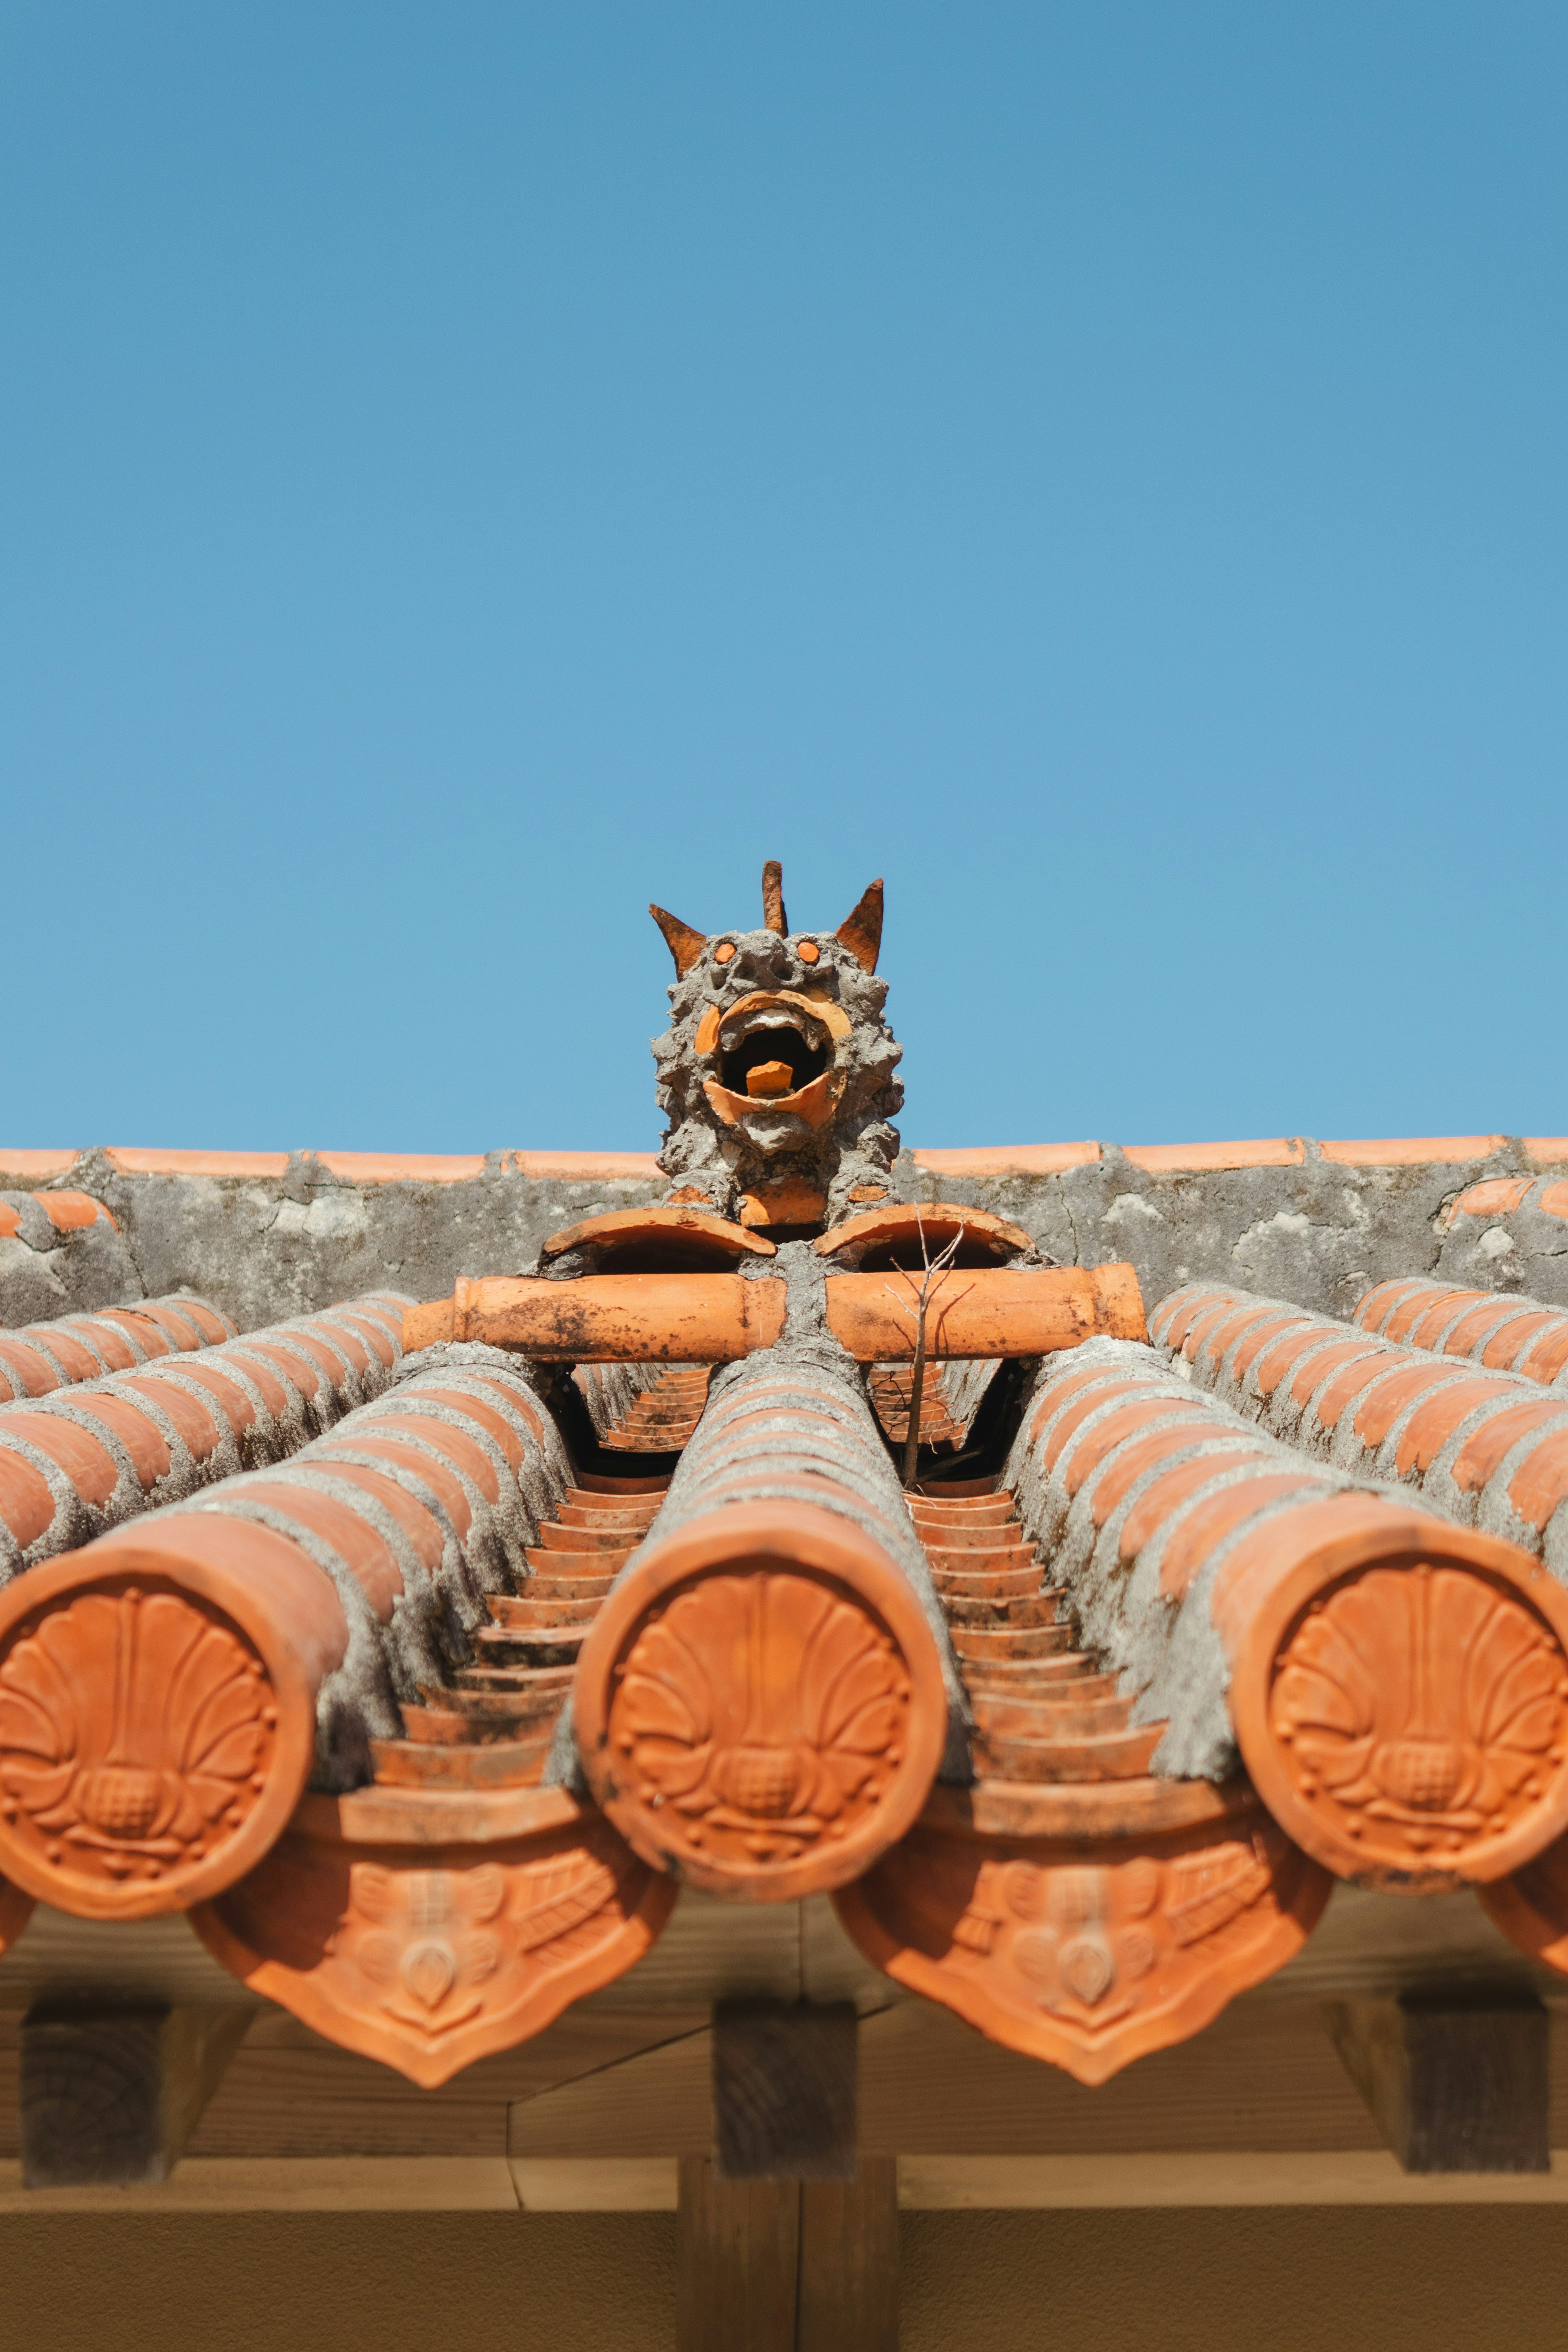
x=111 y=2095
x=786 y=2266
x=1455 y=2084
x=737 y=2261
x=785 y=2091
x=849 y=2291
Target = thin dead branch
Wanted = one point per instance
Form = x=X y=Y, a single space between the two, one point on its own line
x=932 y=1269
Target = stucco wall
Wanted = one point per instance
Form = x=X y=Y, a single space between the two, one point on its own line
x=1459 y=2279
x=268 y=1235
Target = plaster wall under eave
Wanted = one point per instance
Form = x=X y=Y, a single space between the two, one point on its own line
x=265 y=1235
x=1477 y=2279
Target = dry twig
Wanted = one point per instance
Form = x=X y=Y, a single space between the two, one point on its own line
x=934 y=1269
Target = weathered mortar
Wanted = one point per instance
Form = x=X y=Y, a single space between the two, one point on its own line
x=1317 y=1233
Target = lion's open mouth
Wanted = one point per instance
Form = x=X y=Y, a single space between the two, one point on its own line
x=768 y=1050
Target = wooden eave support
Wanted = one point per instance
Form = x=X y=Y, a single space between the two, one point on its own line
x=1454 y=2082
x=112 y=2091
x=717 y=1318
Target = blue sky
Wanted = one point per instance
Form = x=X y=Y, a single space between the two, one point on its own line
x=466 y=471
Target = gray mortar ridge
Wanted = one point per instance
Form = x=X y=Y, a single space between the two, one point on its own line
x=1166 y=1654
x=1320 y=1233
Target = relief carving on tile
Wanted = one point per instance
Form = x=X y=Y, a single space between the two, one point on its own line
x=427 y=1956
x=1092 y=1953
x=755 y=1732
x=1421 y=1716
x=138 y=1732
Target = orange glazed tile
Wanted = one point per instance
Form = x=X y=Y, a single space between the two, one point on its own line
x=157 y=1713
x=1320 y=1363
x=1087 y=1952
x=26 y=1506
x=1207 y=1524
x=69 y=1211
x=1177 y=1486
x=1497 y=1197
x=124 y=1418
x=1414 y=1150
x=1226 y=1448
x=1549 y=1357
x=1171 y=1421
x=36 y=1163
x=1345 y=1387
x=585 y=1166
x=1378 y=1411
x=1483 y=1451
x=1429 y=1317
x=1174 y=1159
x=1540 y=1481
x=760 y=1706
x=10 y=1219
x=1554 y=1201
x=1547 y=1148
x=403 y=1168
x=134 y=1161
x=1084 y=1398
x=1504 y=1348
x=426 y=1944
x=198 y=1425
x=90 y=1467
x=1018 y=1159
x=1245 y=1328
x=1432 y=1424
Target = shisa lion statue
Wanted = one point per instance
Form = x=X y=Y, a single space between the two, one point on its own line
x=776 y=1070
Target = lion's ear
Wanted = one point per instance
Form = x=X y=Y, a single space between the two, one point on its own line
x=773 y=916
x=861 y=931
x=684 y=944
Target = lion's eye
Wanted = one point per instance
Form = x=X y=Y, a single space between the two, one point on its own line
x=724 y=953
x=808 y=952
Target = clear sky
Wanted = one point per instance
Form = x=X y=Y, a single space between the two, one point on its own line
x=469 y=470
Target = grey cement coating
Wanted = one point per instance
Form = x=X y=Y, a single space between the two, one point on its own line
x=262 y=1248
x=1166 y=1654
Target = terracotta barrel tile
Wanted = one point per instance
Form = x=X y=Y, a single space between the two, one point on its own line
x=25 y=1371
x=26 y=1506
x=430 y=1469
x=1482 y=1453
x=1330 y=1602
x=125 y=1417
x=1497 y=1196
x=1505 y=1349
x=1205 y=1525
x=87 y=1464
x=1158 y=1506
x=1508 y=1332
x=1223 y=1447
x=1433 y=1423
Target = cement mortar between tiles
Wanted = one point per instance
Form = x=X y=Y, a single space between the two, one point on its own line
x=1317 y=1235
